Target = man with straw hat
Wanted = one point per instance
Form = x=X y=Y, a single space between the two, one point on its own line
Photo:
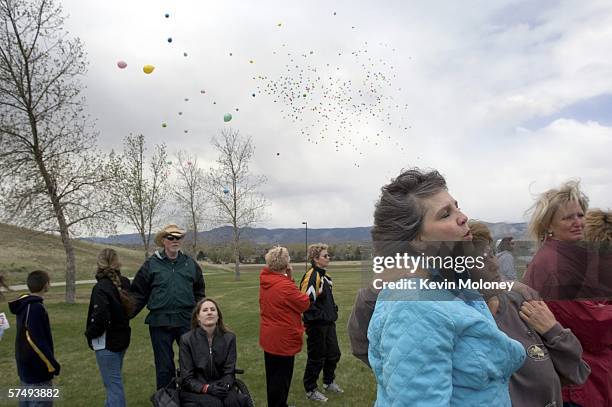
x=169 y=283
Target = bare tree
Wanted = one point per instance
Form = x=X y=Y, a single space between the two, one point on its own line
x=138 y=197
x=233 y=189
x=53 y=179
x=190 y=193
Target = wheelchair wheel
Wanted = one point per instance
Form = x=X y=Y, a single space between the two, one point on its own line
x=241 y=388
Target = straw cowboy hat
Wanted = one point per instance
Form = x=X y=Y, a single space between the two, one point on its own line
x=168 y=230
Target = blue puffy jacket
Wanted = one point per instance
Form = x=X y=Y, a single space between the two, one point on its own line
x=430 y=348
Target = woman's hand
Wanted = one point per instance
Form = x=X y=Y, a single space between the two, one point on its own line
x=537 y=314
x=289 y=272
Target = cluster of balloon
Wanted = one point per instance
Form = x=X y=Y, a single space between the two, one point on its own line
x=227 y=117
x=148 y=69
x=122 y=64
x=316 y=95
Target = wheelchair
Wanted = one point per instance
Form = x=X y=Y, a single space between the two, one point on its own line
x=239 y=386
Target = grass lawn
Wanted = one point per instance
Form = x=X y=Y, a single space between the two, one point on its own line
x=80 y=380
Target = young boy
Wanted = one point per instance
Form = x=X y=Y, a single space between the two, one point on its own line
x=36 y=364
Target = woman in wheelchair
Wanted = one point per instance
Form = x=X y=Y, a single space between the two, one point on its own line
x=207 y=360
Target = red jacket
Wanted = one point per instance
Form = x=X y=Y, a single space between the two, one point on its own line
x=281 y=305
x=591 y=321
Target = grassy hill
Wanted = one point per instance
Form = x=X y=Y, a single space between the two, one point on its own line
x=24 y=250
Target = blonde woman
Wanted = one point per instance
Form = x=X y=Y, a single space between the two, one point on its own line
x=280 y=329
x=557 y=272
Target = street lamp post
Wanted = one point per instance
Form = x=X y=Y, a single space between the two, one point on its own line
x=306 y=255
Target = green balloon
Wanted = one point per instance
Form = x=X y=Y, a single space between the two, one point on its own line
x=227 y=117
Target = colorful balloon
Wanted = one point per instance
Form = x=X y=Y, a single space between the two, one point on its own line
x=227 y=117
x=121 y=64
x=148 y=69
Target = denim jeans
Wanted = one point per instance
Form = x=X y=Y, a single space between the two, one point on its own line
x=162 y=340
x=36 y=403
x=110 y=365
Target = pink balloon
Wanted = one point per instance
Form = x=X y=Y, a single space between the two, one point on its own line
x=121 y=64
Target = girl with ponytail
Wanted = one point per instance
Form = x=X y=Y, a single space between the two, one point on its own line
x=108 y=323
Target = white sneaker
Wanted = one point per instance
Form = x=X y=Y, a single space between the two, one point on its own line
x=333 y=387
x=316 y=395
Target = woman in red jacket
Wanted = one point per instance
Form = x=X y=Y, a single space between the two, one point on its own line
x=558 y=272
x=280 y=329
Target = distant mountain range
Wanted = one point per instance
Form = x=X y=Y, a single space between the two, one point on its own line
x=285 y=236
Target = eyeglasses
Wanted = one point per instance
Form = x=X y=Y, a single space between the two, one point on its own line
x=173 y=238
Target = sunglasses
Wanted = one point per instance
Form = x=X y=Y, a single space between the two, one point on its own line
x=173 y=238
x=327 y=256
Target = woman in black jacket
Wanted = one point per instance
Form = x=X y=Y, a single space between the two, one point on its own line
x=208 y=359
x=108 y=324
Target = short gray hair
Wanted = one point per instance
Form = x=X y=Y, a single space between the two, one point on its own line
x=399 y=212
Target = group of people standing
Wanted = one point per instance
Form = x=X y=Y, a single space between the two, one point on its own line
x=548 y=342
x=171 y=285
x=285 y=309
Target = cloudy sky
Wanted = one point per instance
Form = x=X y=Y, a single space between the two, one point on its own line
x=505 y=98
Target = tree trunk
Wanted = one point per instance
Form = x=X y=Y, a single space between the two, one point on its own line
x=195 y=232
x=59 y=214
x=70 y=266
x=236 y=255
x=145 y=245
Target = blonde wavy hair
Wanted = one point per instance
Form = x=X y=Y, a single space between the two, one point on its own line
x=548 y=203
x=277 y=258
x=598 y=226
x=314 y=251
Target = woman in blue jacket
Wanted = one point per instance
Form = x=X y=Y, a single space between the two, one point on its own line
x=432 y=347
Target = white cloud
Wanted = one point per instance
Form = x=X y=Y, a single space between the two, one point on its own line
x=470 y=75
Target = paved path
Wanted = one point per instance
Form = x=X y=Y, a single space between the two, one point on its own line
x=23 y=287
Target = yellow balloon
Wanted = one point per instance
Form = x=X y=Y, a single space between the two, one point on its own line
x=148 y=69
